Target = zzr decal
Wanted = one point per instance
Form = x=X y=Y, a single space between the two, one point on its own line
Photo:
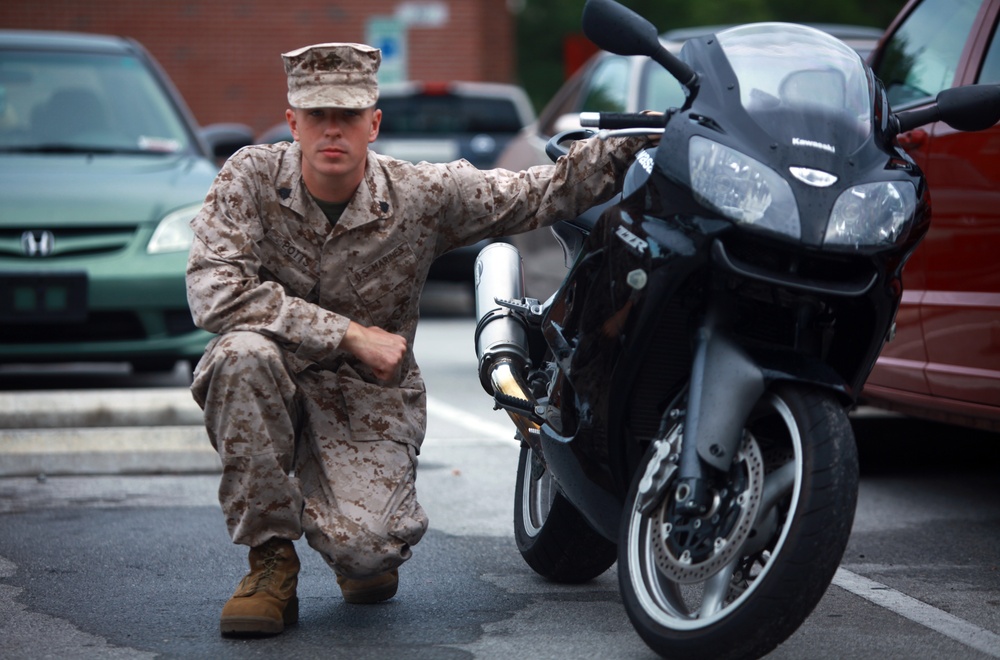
x=632 y=240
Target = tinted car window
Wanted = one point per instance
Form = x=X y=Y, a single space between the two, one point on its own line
x=608 y=91
x=84 y=101
x=990 y=71
x=448 y=114
x=922 y=56
x=659 y=89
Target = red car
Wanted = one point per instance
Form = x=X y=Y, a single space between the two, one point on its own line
x=944 y=361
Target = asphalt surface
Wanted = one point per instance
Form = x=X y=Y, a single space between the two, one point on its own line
x=106 y=552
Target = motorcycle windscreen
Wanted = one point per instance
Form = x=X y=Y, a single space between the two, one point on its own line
x=791 y=75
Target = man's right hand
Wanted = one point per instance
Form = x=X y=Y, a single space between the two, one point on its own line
x=382 y=351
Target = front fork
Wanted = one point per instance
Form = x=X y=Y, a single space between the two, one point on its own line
x=725 y=385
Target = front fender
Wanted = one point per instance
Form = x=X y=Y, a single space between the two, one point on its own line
x=725 y=385
x=728 y=379
x=798 y=368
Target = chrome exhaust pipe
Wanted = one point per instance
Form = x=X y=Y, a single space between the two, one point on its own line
x=502 y=336
x=499 y=333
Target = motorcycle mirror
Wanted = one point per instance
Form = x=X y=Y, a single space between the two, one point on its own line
x=618 y=29
x=966 y=108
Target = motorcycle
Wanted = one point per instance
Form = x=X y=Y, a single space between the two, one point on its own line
x=682 y=398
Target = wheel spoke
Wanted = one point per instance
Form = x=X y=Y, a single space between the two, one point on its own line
x=716 y=590
x=777 y=484
x=665 y=592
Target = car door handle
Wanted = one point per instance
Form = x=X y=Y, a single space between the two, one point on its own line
x=912 y=139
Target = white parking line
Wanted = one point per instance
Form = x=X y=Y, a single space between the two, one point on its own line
x=920 y=612
x=875 y=592
x=473 y=423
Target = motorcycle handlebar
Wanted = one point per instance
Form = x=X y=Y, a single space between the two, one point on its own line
x=618 y=120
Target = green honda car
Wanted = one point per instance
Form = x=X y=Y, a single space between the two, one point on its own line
x=102 y=167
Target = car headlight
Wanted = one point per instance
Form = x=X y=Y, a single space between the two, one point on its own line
x=741 y=188
x=174 y=234
x=871 y=214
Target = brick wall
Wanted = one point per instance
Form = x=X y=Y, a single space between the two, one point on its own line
x=224 y=55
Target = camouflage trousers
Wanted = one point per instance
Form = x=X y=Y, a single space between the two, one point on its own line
x=290 y=465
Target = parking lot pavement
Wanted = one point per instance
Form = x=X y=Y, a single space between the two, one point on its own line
x=79 y=420
x=108 y=431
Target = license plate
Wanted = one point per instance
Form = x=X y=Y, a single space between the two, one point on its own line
x=43 y=297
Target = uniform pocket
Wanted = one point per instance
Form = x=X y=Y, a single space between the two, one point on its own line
x=287 y=263
x=387 y=282
x=377 y=412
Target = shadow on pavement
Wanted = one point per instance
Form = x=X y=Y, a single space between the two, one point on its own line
x=892 y=445
x=439 y=300
x=86 y=375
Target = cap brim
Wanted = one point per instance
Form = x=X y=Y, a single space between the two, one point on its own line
x=332 y=98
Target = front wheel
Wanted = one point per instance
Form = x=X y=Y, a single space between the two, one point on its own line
x=740 y=580
x=552 y=536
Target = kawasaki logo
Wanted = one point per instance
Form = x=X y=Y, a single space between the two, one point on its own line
x=799 y=142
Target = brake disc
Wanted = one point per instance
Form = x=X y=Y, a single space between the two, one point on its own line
x=690 y=549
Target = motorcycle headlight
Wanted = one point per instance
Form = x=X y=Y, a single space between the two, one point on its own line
x=742 y=188
x=871 y=214
x=174 y=234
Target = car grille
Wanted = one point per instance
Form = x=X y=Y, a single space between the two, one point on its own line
x=65 y=242
x=99 y=326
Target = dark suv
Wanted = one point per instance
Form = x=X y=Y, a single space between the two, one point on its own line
x=944 y=361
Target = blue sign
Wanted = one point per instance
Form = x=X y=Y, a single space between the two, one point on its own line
x=389 y=35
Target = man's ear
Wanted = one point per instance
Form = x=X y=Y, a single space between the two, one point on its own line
x=293 y=123
x=376 y=122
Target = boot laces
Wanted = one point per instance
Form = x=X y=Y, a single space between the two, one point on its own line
x=270 y=559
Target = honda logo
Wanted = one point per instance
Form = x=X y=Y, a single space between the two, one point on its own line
x=37 y=243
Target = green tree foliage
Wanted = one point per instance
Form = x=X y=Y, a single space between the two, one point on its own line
x=544 y=25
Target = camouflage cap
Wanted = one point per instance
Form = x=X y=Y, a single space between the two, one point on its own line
x=333 y=76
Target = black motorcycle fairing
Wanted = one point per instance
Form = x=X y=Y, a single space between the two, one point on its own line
x=594 y=325
x=779 y=143
x=572 y=234
x=642 y=357
x=585 y=483
x=587 y=327
x=638 y=173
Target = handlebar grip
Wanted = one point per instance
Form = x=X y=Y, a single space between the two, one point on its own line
x=616 y=120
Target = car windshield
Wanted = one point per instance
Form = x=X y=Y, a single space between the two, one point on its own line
x=447 y=113
x=800 y=83
x=84 y=102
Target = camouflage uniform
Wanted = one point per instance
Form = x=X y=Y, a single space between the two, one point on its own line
x=310 y=441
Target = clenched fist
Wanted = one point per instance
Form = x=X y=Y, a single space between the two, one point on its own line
x=382 y=351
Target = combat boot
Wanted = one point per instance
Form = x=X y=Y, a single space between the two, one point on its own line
x=265 y=601
x=369 y=590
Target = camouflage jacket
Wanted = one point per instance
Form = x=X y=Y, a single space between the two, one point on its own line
x=266 y=259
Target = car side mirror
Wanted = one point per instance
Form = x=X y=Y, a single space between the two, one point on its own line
x=225 y=139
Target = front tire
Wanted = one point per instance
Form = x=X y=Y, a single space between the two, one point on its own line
x=740 y=581
x=551 y=535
